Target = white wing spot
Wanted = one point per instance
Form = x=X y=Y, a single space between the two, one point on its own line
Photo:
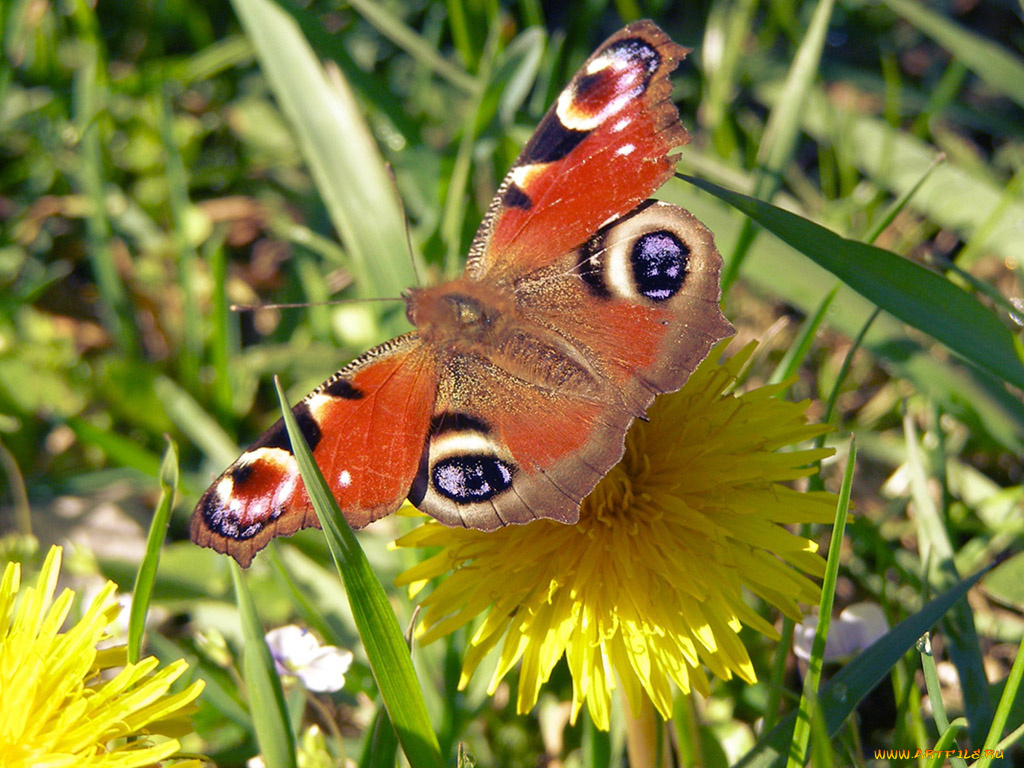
x=601 y=62
x=344 y=479
x=286 y=489
x=625 y=149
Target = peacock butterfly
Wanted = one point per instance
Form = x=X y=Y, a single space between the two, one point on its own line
x=581 y=300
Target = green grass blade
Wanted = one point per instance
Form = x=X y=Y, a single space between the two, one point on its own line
x=807 y=710
x=90 y=92
x=844 y=369
x=779 y=140
x=380 y=746
x=378 y=628
x=980 y=400
x=339 y=148
x=947 y=741
x=936 y=552
x=931 y=682
x=191 y=353
x=794 y=357
x=412 y=43
x=1013 y=681
x=146 y=577
x=901 y=202
x=454 y=210
x=906 y=290
x=877 y=228
x=266 y=699
x=842 y=694
x=201 y=428
x=729 y=26
x=896 y=160
x=999 y=68
x=223 y=331
x=118 y=449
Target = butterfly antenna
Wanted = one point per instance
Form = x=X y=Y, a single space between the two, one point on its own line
x=305 y=304
x=405 y=222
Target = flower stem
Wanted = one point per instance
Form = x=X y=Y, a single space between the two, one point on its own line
x=647 y=741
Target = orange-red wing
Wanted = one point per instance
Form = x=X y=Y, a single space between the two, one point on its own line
x=367 y=426
x=600 y=150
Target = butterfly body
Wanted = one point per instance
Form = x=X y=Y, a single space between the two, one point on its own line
x=510 y=399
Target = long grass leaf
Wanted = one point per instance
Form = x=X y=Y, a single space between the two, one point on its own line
x=339 y=149
x=266 y=699
x=906 y=290
x=223 y=333
x=808 y=709
x=947 y=742
x=118 y=448
x=896 y=160
x=978 y=399
x=379 y=743
x=90 y=93
x=936 y=552
x=201 y=428
x=779 y=140
x=146 y=576
x=999 y=68
x=454 y=209
x=378 y=628
x=1013 y=681
x=854 y=681
x=794 y=357
x=412 y=43
x=729 y=26
x=191 y=351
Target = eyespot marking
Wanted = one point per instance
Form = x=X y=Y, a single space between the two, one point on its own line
x=226 y=522
x=590 y=268
x=635 y=52
x=239 y=473
x=659 y=261
x=471 y=478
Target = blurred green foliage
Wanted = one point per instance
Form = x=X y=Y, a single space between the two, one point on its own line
x=150 y=177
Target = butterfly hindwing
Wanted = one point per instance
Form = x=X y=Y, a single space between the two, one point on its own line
x=532 y=427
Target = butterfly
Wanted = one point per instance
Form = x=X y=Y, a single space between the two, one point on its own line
x=581 y=300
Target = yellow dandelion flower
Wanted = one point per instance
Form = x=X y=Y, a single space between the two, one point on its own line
x=63 y=702
x=647 y=589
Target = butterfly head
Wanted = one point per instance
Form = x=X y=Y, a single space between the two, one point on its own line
x=461 y=309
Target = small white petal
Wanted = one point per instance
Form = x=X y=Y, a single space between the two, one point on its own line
x=297 y=652
x=857 y=627
x=326 y=672
x=291 y=644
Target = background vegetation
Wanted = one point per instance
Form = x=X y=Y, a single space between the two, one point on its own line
x=150 y=176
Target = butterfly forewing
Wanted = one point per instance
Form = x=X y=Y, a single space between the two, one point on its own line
x=365 y=426
x=600 y=150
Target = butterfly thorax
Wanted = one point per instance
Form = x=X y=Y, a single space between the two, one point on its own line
x=478 y=329
x=460 y=311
